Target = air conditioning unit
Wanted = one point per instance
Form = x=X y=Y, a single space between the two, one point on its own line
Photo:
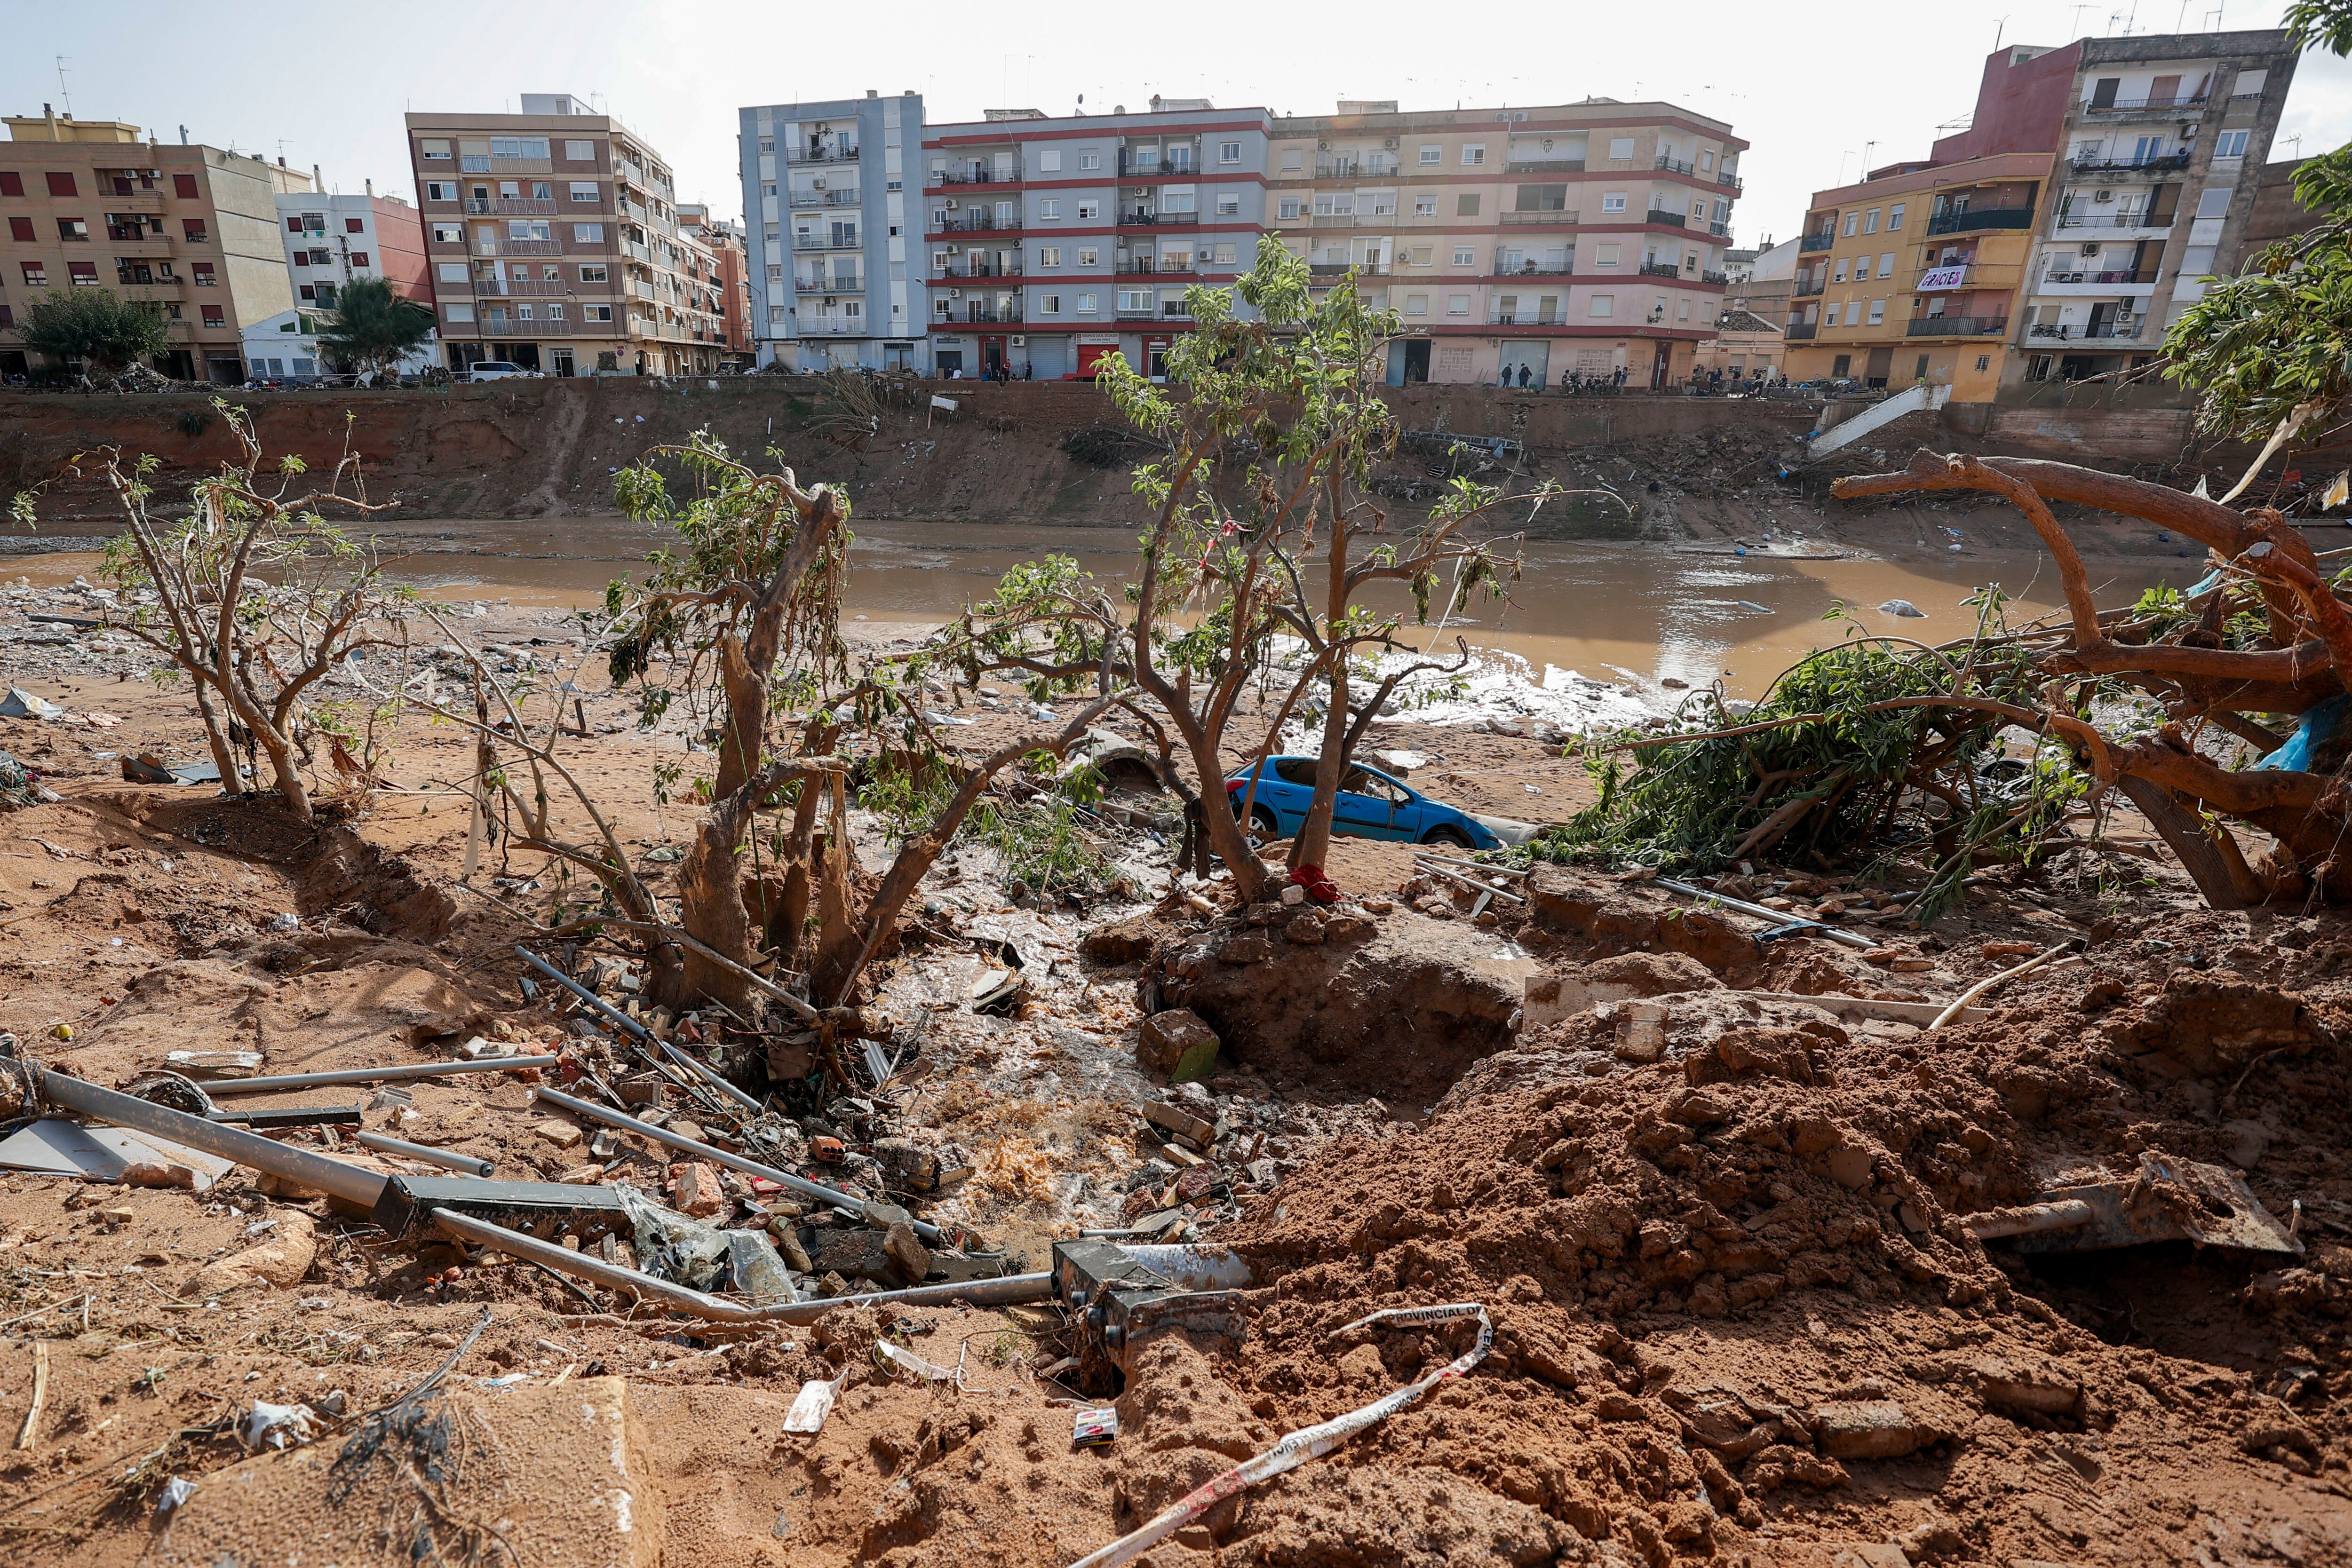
x=816 y=185
x=1322 y=144
x=1019 y=341
x=952 y=204
x=2090 y=250
x=1390 y=143
x=2102 y=195
x=955 y=293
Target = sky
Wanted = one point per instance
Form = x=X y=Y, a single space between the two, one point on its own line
x=328 y=85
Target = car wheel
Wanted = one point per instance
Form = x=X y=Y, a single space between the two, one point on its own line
x=1453 y=837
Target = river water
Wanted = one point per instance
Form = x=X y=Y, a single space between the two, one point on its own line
x=1692 y=613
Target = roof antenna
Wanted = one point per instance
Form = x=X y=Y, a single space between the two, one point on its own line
x=62 y=93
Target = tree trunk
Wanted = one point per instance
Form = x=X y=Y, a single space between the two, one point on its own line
x=710 y=909
x=231 y=777
x=1313 y=845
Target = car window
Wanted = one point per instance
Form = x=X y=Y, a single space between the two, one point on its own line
x=1362 y=781
x=1296 y=771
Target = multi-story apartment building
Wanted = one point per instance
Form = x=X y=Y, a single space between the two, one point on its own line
x=331 y=240
x=1584 y=237
x=554 y=243
x=194 y=229
x=723 y=238
x=2059 y=235
x=830 y=247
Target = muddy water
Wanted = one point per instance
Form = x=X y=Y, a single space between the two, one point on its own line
x=1691 y=612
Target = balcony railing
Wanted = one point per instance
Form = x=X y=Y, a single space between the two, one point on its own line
x=1544 y=166
x=1341 y=268
x=1956 y=327
x=1526 y=318
x=833 y=326
x=1157 y=220
x=827 y=239
x=2132 y=219
x=128 y=198
x=836 y=154
x=519 y=288
x=1546 y=217
x=2108 y=168
x=828 y=285
x=518 y=247
x=1674 y=220
x=1980 y=218
x=1156 y=168
x=1807 y=287
x=2144 y=275
x=1675 y=166
x=2165 y=105
x=2067 y=332
x=1800 y=331
x=1731 y=181
x=1715 y=278
x=971 y=223
x=981 y=269
x=975 y=176
x=1529 y=269
x=536 y=327
x=1136 y=312
x=1661 y=269
x=1147 y=267
x=822 y=199
x=1816 y=242
x=1719 y=230
x=985 y=314
x=512 y=206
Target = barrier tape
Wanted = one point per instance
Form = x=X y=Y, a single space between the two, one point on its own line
x=1307 y=1442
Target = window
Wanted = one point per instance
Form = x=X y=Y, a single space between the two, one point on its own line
x=1229 y=204
x=21 y=230
x=596 y=313
x=1135 y=300
x=13 y=183
x=1621 y=147
x=1870 y=222
x=517 y=146
x=585 y=191
x=1457 y=305
x=1984 y=361
x=1049 y=161
x=588 y=233
x=83 y=273
x=1229 y=151
x=1227 y=256
x=1430 y=156
x=2214 y=203
x=306 y=292
x=1049 y=255
x=62 y=184
x=2229 y=144
x=440 y=190
x=1049 y=305
x=450 y=271
x=1464 y=257
x=1886 y=265
x=1090 y=161
x=1682 y=312
x=73 y=229
x=1473 y=154
x=1421 y=254
x=1877 y=312
x=1706 y=162
x=1465 y=205
x=2249 y=83
x=293 y=223
x=1049 y=208
x=201 y=274
x=216 y=315
x=1288 y=208
x=1612 y=200
x=37 y=274
x=1830 y=318
x=1089 y=255
x=1088 y=210
x=520 y=229
x=1895 y=217
x=585 y=151
x=1852 y=219
x=323 y=258
x=1601 y=305
x=448 y=234
x=1606 y=255
x=358 y=258
x=1425 y=207
x=1837 y=274
x=1416 y=304
x=1086 y=304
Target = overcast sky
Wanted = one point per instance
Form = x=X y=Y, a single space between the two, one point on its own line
x=1821 y=94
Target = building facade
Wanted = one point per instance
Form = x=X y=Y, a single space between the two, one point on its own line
x=553 y=241
x=2057 y=237
x=831 y=250
x=723 y=238
x=190 y=228
x=331 y=240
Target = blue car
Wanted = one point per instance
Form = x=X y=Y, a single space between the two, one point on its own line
x=1370 y=805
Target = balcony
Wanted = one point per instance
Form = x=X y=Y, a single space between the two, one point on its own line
x=534 y=327
x=1672 y=219
x=835 y=327
x=985 y=315
x=519 y=288
x=983 y=269
x=1330 y=270
x=1675 y=166
x=2132 y=218
x=976 y=222
x=1660 y=269
x=1148 y=266
x=824 y=199
x=1816 y=242
x=1800 y=331
x=1956 y=327
x=1546 y=217
x=1529 y=269
x=1136 y=312
x=828 y=285
x=2164 y=108
x=1720 y=231
x=1718 y=278
x=1157 y=219
x=2144 y=275
x=512 y=206
x=128 y=198
x=157 y=288
x=976 y=176
x=518 y=247
x=2109 y=168
x=1544 y=166
x=1807 y=287
x=1526 y=318
x=1732 y=183
x=1132 y=166
x=833 y=153
x=831 y=239
x=1981 y=218
x=2126 y=332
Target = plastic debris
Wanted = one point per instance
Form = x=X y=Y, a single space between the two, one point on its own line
x=757 y=1269
x=176 y=1490
x=899 y=1355
x=22 y=704
x=669 y=1245
x=813 y=1405
x=1095 y=1429
x=274 y=1424
x=288 y=921
x=1903 y=608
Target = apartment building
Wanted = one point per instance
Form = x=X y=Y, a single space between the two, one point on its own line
x=723 y=237
x=2057 y=237
x=193 y=229
x=554 y=240
x=1522 y=244
x=1052 y=242
x=332 y=239
x=831 y=250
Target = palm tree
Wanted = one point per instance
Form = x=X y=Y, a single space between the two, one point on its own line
x=372 y=328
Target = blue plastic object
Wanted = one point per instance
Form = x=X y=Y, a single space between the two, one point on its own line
x=2317 y=725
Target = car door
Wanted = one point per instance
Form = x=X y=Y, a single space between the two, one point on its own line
x=1364 y=807
x=1412 y=817
x=1290 y=786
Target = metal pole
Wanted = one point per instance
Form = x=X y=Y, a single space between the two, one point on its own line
x=785 y=1179
x=1003 y=1291
x=347 y=1182
x=230 y=1088
x=639 y=1032
x=1777 y=916
x=465 y=1165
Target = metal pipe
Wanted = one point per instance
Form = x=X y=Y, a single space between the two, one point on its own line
x=785 y=1179
x=230 y=1088
x=347 y=1182
x=1004 y=1292
x=1777 y=916
x=465 y=1165
x=2029 y=1218
x=644 y=1036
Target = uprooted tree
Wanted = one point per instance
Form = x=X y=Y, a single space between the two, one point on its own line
x=1877 y=734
